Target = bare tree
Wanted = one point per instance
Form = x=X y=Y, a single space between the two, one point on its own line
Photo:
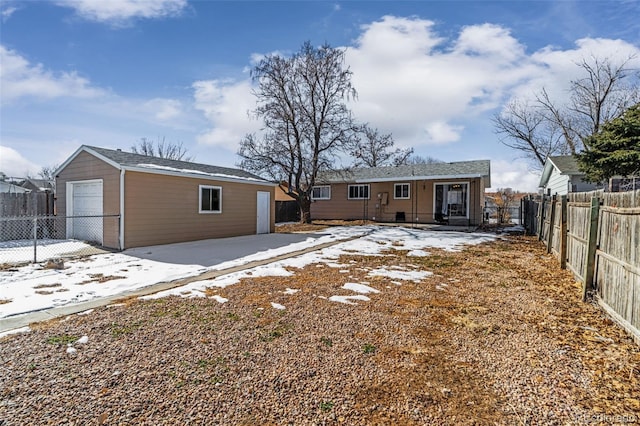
x=504 y=199
x=545 y=127
x=162 y=149
x=419 y=159
x=302 y=103
x=373 y=149
x=48 y=172
x=525 y=128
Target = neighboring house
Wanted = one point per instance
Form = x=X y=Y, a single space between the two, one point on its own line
x=151 y=200
x=12 y=188
x=561 y=175
x=287 y=209
x=421 y=193
x=38 y=185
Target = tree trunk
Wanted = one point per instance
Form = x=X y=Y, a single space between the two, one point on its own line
x=305 y=209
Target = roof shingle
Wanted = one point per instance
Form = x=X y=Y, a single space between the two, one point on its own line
x=129 y=159
x=459 y=169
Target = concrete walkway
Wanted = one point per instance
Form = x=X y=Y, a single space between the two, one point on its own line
x=169 y=253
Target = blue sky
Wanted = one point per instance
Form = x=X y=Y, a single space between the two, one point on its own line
x=433 y=73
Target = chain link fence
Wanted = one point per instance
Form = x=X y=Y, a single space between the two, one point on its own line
x=502 y=215
x=26 y=239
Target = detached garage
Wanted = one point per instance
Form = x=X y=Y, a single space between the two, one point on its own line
x=121 y=200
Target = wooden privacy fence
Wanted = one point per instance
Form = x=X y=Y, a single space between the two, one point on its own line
x=26 y=204
x=596 y=235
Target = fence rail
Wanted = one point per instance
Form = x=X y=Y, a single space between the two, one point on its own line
x=25 y=239
x=596 y=235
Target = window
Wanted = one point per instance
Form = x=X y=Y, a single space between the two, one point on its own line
x=358 y=192
x=451 y=199
x=401 y=191
x=321 y=193
x=210 y=199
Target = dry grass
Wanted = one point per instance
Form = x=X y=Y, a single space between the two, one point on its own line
x=498 y=335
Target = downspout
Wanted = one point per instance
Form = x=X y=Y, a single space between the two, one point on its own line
x=121 y=230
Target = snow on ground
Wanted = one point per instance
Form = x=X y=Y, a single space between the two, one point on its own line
x=347 y=300
x=32 y=288
x=360 y=288
x=21 y=251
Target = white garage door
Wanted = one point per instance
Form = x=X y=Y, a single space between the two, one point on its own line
x=86 y=200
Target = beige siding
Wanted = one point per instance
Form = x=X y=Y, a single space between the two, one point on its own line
x=419 y=208
x=164 y=209
x=88 y=167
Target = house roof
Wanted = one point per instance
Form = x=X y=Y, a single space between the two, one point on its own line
x=564 y=164
x=8 y=187
x=37 y=184
x=123 y=160
x=455 y=170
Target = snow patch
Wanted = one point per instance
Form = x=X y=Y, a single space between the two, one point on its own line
x=360 y=288
x=347 y=299
x=415 y=276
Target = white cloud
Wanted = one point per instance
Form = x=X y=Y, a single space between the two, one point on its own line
x=120 y=12
x=164 y=109
x=226 y=105
x=6 y=11
x=19 y=78
x=440 y=132
x=557 y=68
x=13 y=164
x=514 y=175
x=404 y=65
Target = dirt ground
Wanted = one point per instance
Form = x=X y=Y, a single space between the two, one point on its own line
x=497 y=335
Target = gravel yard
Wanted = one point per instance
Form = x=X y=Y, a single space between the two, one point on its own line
x=497 y=334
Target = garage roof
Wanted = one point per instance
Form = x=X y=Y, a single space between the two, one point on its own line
x=123 y=160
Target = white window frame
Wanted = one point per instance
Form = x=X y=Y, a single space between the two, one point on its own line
x=321 y=187
x=468 y=198
x=200 y=188
x=359 y=198
x=396 y=185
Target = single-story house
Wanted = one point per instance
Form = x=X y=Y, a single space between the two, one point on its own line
x=287 y=209
x=420 y=193
x=38 y=185
x=561 y=175
x=150 y=200
x=12 y=188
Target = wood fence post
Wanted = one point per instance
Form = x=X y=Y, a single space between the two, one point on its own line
x=592 y=239
x=552 y=220
x=540 y=218
x=563 y=232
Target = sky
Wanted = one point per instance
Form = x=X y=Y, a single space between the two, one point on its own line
x=431 y=73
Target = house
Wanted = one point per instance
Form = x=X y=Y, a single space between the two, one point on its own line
x=38 y=185
x=287 y=209
x=145 y=200
x=421 y=193
x=12 y=188
x=561 y=175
